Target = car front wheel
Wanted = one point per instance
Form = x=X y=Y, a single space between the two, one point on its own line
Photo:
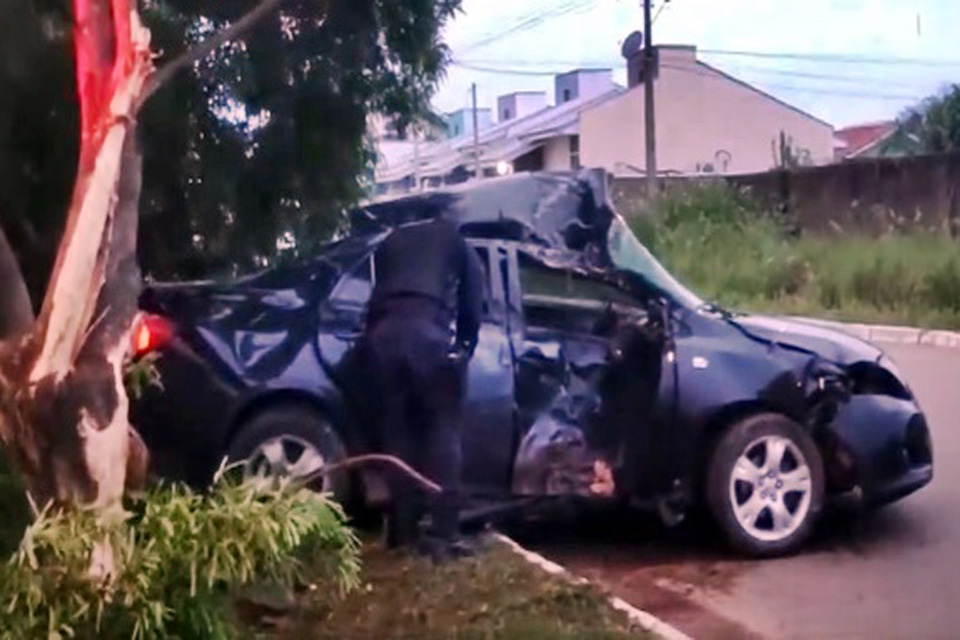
x=765 y=485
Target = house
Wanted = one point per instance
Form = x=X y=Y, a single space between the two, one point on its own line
x=707 y=121
x=460 y=123
x=530 y=136
x=393 y=146
x=870 y=140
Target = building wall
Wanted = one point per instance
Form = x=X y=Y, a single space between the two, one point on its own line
x=703 y=118
x=581 y=83
x=460 y=123
x=518 y=105
x=556 y=154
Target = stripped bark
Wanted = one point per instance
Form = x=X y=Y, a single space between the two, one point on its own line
x=63 y=406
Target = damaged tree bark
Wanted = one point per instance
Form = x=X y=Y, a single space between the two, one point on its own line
x=63 y=406
x=63 y=418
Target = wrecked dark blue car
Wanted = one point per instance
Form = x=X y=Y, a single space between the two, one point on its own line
x=597 y=375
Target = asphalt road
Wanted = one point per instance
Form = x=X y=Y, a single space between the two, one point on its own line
x=890 y=574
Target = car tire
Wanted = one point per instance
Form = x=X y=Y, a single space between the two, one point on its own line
x=289 y=440
x=765 y=485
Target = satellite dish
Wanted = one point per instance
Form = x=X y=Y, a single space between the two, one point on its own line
x=632 y=45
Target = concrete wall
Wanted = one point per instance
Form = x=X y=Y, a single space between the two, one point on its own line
x=704 y=117
x=556 y=154
x=867 y=196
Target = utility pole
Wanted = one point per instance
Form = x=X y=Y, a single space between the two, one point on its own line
x=476 y=135
x=649 y=71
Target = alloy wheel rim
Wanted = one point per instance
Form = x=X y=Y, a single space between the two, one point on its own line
x=771 y=488
x=284 y=457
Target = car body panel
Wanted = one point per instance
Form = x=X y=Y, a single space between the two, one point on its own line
x=572 y=393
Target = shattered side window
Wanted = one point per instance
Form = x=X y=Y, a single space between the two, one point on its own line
x=355 y=287
x=484 y=254
x=558 y=300
x=543 y=284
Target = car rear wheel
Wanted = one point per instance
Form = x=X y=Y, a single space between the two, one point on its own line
x=290 y=441
x=765 y=485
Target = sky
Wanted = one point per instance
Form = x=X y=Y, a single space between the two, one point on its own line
x=853 y=61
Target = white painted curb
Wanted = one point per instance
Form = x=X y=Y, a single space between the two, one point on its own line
x=892 y=335
x=642 y=619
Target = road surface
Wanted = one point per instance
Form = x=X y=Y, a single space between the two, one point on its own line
x=891 y=574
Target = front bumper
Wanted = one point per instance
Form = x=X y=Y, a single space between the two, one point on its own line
x=887 y=443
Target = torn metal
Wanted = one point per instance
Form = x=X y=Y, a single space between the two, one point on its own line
x=596 y=374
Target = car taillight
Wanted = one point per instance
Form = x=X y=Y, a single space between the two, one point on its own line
x=150 y=333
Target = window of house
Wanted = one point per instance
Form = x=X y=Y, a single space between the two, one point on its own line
x=575 y=152
x=506 y=114
x=566 y=95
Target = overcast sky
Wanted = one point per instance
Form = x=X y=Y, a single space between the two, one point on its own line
x=913 y=45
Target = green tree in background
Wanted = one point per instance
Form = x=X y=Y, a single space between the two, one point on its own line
x=39 y=131
x=250 y=155
x=931 y=127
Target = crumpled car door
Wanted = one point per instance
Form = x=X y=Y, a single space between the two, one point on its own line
x=588 y=373
x=488 y=424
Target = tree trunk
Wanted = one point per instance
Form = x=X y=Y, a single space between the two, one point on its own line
x=63 y=406
x=63 y=409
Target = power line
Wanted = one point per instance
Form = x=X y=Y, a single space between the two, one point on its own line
x=830 y=92
x=514 y=63
x=620 y=63
x=503 y=71
x=705 y=73
x=492 y=67
x=836 y=57
x=532 y=21
x=772 y=55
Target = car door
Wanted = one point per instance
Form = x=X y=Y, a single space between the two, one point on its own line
x=587 y=376
x=488 y=433
x=488 y=424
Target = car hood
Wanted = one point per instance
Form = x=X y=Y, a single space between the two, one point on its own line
x=836 y=346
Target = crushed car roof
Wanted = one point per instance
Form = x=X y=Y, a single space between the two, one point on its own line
x=555 y=210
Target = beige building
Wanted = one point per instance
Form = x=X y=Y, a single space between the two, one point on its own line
x=529 y=136
x=707 y=122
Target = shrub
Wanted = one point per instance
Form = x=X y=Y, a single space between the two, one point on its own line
x=179 y=558
x=720 y=243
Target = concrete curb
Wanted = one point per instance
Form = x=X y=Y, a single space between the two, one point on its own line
x=646 y=621
x=887 y=334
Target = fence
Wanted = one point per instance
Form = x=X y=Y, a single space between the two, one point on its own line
x=866 y=196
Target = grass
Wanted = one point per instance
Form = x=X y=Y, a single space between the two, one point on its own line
x=495 y=595
x=720 y=244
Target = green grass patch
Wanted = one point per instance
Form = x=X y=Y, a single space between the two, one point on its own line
x=717 y=241
x=495 y=595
